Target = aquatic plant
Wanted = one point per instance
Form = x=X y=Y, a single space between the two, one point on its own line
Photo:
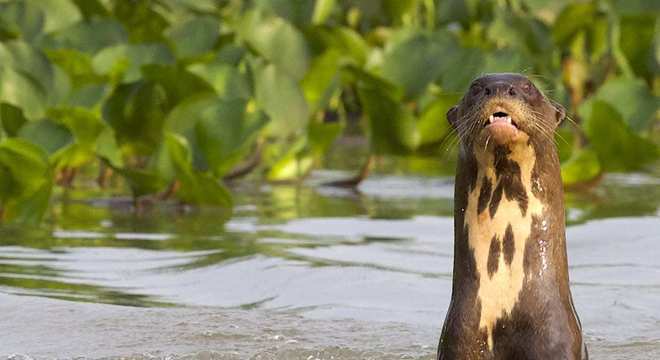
x=175 y=97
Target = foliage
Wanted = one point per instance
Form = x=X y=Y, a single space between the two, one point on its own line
x=176 y=96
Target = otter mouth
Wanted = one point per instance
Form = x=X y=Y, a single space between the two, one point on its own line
x=502 y=128
x=500 y=118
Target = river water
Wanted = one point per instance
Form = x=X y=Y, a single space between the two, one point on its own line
x=302 y=272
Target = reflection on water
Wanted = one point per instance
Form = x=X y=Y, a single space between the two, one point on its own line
x=304 y=259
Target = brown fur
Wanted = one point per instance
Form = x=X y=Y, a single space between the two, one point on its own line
x=521 y=306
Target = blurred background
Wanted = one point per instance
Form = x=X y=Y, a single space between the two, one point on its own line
x=165 y=99
x=274 y=178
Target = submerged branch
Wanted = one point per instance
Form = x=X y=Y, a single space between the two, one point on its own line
x=357 y=179
x=247 y=166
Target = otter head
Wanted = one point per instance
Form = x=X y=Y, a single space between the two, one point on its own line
x=504 y=109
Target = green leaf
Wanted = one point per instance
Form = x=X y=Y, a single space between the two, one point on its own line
x=203 y=189
x=293 y=161
x=460 y=11
x=432 y=124
x=637 y=37
x=343 y=40
x=89 y=96
x=321 y=136
x=565 y=140
x=632 y=99
x=136 y=112
x=12 y=119
x=293 y=164
x=196 y=187
x=125 y=61
x=25 y=185
x=92 y=8
x=47 y=135
x=523 y=33
x=34 y=69
x=226 y=132
x=504 y=60
x=571 y=19
x=196 y=6
x=142 y=20
x=30 y=209
x=87 y=36
x=73 y=155
x=141 y=182
x=231 y=54
x=184 y=116
x=370 y=80
x=177 y=82
x=413 y=62
x=281 y=98
x=296 y=12
x=226 y=79
x=76 y=65
x=636 y=7
x=23 y=57
x=583 y=166
x=277 y=41
x=398 y=10
x=59 y=13
x=599 y=39
x=322 y=11
x=459 y=67
x=21 y=19
x=617 y=146
x=547 y=9
x=392 y=126
x=107 y=148
x=321 y=79
x=25 y=162
x=194 y=37
x=61 y=86
x=84 y=124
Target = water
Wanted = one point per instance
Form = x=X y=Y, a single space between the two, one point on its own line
x=302 y=272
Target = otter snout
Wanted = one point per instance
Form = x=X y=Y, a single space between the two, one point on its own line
x=501 y=119
x=503 y=89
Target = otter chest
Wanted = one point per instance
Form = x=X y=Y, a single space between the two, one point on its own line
x=499 y=216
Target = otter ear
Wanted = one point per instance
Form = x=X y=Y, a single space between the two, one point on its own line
x=560 y=112
x=452 y=115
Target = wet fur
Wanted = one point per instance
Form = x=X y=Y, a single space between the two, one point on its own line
x=542 y=323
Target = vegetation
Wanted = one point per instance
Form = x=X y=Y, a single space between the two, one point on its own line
x=176 y=97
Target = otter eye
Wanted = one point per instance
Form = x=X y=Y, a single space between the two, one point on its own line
x=475 y=89
x=526 y=87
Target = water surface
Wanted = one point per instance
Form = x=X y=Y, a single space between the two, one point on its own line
x=302 y=272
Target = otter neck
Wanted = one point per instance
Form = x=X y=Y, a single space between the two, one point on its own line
x=509 y=226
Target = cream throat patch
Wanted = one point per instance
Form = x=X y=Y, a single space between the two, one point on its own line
x=499 y=215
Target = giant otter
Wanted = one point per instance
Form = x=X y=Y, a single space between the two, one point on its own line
x=510 y=293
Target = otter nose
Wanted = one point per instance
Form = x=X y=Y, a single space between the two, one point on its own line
x=500 y=89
